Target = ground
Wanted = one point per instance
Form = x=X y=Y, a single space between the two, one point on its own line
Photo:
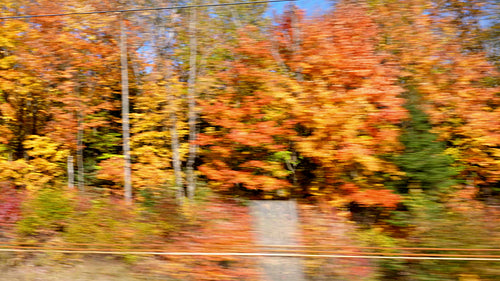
x=55 y=267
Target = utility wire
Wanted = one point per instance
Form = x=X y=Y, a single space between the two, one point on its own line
x=497 y=259
x=144 y=9
x=14 y=244
x=255 y=251
x=246 y=249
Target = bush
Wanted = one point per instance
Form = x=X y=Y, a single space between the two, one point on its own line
x=108 y=221
x=45 y=212
x=10 y=208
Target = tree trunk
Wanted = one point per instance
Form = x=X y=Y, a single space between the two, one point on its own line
x=79 y=151
x=125 y=114
x=71 y=173
x=176 y=159
x=160 y=44
x=192 y=114
x=79 y=143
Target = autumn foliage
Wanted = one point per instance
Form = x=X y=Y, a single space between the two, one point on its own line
x=462 y=104
x=249 y=122
x=386 y=111
x=342 y=114
x=311 y=106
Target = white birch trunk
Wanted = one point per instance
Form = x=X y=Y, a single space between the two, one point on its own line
x=79 y=145
x=176 y=159
x=192 y=114
x=71 y=173
x=125 y=114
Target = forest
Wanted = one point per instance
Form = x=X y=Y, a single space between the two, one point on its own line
x=159 y=126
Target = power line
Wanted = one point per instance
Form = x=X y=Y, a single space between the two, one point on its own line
x=245 y=250
x=13 y=244
x=145 y=9
x=282 y=248
x=247 y=254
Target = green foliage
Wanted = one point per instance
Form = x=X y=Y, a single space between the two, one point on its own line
x=423 y=160
x=107 y=221
x=46 y=212
x=286 y=157
x=378 y=237
x=81 y=220
x=460 y=222
x=425 y=217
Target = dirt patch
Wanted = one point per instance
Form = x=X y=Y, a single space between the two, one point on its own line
x=276 y=223
x=47 y=267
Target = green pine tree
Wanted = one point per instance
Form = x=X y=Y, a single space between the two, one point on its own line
x=423 y=160
x=422 y=216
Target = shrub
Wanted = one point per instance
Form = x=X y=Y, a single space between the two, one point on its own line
x=46 y=211
x=108 y=221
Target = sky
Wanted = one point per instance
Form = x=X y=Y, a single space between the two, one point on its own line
x=311 y=7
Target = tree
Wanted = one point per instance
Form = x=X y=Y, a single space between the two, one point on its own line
x=176 y=67
x=23 y=99
x=423 y=159
x=452 y=80
x=192 y=111
x=125 y=113
x=341 y=112
x=169 y=115
x=347 y=106
x=248 y=121
x=492 y=34
x=85 y=101
x=450 y=136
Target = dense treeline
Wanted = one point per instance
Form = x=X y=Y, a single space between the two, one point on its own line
x=387 y=109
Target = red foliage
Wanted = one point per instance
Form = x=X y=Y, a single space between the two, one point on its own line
x=10 y=205
x=347 y=103
x=249 y=121
x=324 y=226
x=217 y=226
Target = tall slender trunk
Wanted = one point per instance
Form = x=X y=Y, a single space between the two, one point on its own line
x=125 y=113
x=79 y=148
x=71 y=173
x=79 y=138
x=164 y=68
x=176 y=159
x=192 y=114
x=236 y=17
